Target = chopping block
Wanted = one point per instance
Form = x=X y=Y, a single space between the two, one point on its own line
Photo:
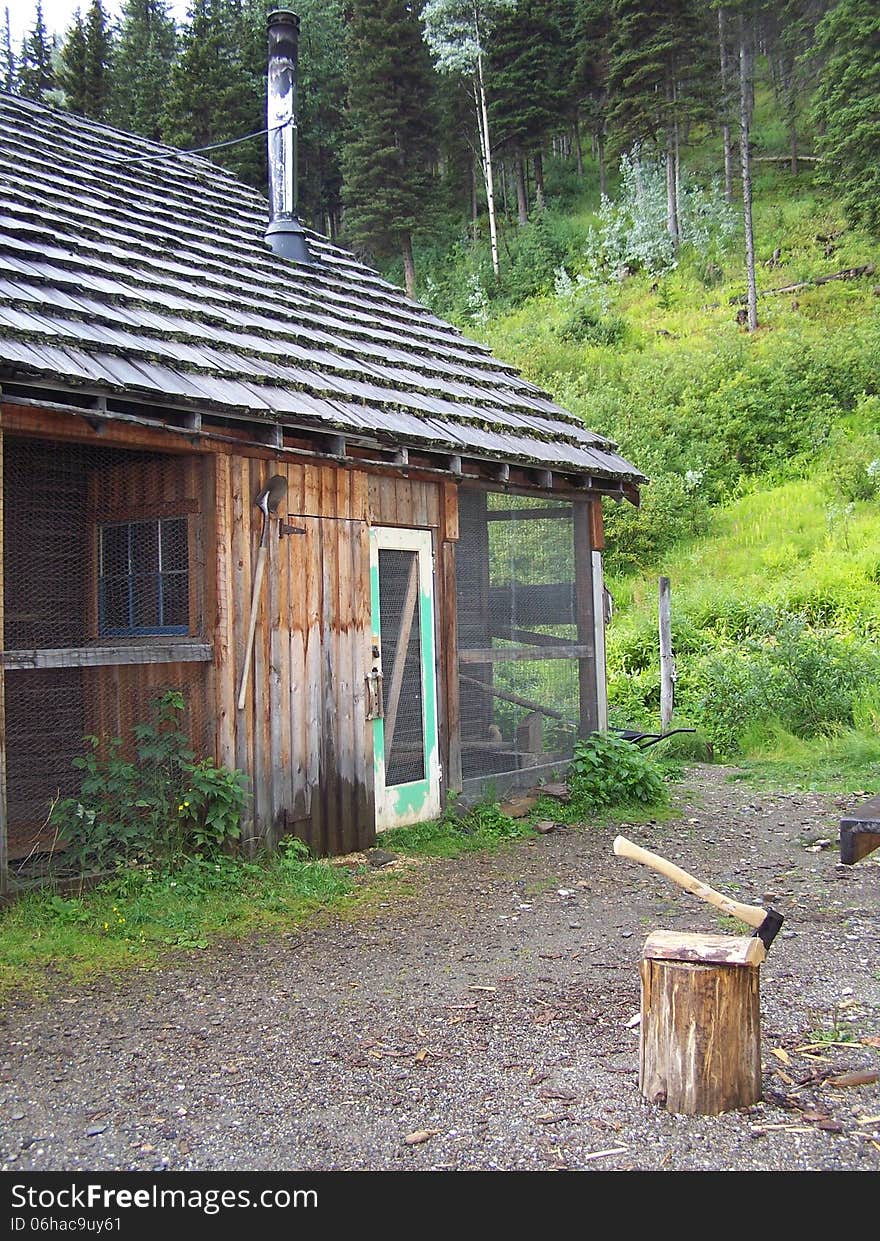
x=700 y=1032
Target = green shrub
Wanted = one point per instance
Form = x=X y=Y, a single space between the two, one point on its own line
x=163 y=803
x=608 y=772
x=805 y=680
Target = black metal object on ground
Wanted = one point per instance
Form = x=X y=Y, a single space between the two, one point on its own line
x=644 y=740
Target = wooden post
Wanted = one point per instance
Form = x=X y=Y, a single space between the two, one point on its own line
x=588 y=673
x=700 y=1050
x=4 y=850
x=667 y=672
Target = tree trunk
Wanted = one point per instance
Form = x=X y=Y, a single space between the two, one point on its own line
x=409 y=266
x=745 y=96
x=671 y=169
x=578 y=149
x=603 y=171
x=475 y=200
x=538 y=164
x=700 y=1037
x=725 y=106
x=522 y=194
x=483 y=126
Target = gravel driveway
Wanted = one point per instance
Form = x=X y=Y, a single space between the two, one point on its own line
x=478 y=1015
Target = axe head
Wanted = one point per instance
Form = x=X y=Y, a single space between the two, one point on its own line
x=769 y=928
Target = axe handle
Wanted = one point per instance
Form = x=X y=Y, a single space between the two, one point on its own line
x=754 y=915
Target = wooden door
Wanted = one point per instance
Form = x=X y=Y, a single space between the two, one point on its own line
x=402 y=680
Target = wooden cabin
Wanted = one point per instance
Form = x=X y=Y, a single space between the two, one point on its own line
x=429 y=616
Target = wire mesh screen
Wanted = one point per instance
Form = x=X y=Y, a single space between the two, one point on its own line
x=517 y=618
x=101 y=560
x=402 y=665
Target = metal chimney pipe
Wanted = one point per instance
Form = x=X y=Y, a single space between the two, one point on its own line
x=284 y=235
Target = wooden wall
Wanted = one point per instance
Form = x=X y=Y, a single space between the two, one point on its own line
x=303 y=732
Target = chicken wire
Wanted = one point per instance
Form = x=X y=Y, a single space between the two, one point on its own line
x=515 y=570
x=99 y=550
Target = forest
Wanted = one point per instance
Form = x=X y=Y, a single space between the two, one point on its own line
x=666 y=213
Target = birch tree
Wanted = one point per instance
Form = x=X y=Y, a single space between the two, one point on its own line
x=456 y=32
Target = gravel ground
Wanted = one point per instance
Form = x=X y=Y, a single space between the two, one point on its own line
x=483 y=1009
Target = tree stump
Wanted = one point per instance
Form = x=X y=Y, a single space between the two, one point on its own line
x=700 y=1051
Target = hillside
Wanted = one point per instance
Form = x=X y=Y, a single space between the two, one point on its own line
x=763 y=451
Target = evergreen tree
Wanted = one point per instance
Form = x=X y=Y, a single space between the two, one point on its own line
x=847 y=107
x=527 y=89
x=142 y=65
x=36 y=76
x=9 y=78
x=588 y=76
x=84 y=64
x=213 y=94
x=658 y=78
x=391 y=139
x=72 y=66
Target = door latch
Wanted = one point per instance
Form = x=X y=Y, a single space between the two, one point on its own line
x=375 y=695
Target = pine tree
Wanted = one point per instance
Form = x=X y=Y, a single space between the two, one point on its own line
x=36 y=77
x=142 y=65
x=9 y=72
x=527 y=90
x=72 y=66
x=847 y=107
x=588 y=79
x=213 y=95
x=391 y=139
x=658 y=75
x=84 y=64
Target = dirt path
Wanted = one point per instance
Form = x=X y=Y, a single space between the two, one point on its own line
x=489 y=1009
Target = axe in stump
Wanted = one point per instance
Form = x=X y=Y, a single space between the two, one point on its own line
x=767 y=922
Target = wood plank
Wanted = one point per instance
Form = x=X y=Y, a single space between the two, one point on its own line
x=258 y=711
x=597 y=526
x=297 y=554
x=529 y=514
x=860 y=832
x=583 y=576
x=449 y=530
x=528 y=637
x=699 y=946
x=365 y=810
x=447 y=613
x=401 y=648
x=4 y=826
x=314 y=686
x=277 y=675
x=106 y=656
x=239 y=482
x=529 y=704
x=495 y=655
x=221 y=610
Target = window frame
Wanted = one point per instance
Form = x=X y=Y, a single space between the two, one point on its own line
x=158 y=573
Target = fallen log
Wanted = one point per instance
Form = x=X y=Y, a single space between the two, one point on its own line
x=849 y=273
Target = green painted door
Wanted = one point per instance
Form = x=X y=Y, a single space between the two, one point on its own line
x=402 y=683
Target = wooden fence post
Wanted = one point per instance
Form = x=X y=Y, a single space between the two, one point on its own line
x=667 y=670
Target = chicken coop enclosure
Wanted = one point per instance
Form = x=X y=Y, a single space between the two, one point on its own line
x=101 y=610
x=526 y=631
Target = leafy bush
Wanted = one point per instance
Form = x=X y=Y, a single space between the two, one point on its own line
x=805 y=680
x=483 y=826
x=162 y=804
x=633 y=235
x=607 y=771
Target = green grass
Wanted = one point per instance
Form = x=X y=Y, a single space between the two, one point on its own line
x=145 y=914
x=483 y=827
x=846 y=762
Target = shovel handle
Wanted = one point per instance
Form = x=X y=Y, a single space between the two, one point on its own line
x=252 y=625
x=754 y=915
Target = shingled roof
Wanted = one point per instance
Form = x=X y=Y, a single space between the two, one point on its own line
x=126 y=274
